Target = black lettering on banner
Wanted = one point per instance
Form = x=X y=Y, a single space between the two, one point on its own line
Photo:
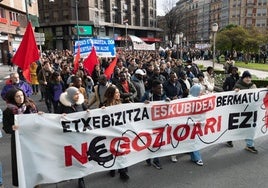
x=66 y=126
x=129 y=112
x=105 y=121
x=118 y=116
x=247 y=116
x=145 y=114
x=136 y=118
x=241 y=120
x=96 y=121
x=95 y=151
x=86 y=124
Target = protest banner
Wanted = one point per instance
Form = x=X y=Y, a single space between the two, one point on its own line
x=52 y=148
x=103 y=47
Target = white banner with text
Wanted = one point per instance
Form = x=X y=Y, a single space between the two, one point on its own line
x=79 y=144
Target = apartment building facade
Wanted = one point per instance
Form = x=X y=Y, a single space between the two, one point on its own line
x=198 y=16
x=13 y=22
x=97 y=18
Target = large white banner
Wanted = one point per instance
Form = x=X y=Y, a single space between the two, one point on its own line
x=79 y=144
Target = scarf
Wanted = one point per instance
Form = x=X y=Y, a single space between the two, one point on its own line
x=15 y=109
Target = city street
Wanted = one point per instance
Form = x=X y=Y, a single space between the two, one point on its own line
x=223 y=166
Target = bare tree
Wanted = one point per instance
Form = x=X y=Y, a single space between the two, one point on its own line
x=171 y=20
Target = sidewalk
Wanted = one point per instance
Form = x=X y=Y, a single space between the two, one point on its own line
x=258 y=73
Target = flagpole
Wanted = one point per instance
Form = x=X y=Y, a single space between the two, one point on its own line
x=26 y=9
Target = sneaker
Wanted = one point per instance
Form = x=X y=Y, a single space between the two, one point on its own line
x=124 y=176
x=230 y=144
x=251 y=149
x=81 y=183
x=157 y=165
x=199 y=163
x=148 y=162
x=174 y=159
x=112 y=173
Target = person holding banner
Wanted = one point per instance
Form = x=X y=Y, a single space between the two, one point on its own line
x=72 y=101
x=17 y=103
x=245 y=83
x=155 y=94
x=195 y=91
x=112 y=96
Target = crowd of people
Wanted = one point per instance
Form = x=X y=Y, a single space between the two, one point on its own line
x=139 y=76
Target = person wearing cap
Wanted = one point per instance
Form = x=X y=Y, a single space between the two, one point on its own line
x=72 y=101
x=137 y=80
x=245 y=82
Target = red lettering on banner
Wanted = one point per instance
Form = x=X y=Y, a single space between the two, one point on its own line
x=197 y=130
x=212 y=124
x=70 y=152
x=159 y=135
x=180 y=137
x=116 y=146
x=186 y=108
x=146 y=144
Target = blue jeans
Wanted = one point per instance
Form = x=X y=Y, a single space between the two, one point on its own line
x=195 y=156
x=1 y=175
x=249 y=142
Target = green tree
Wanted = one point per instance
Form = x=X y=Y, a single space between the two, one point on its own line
x=231 y=38
x=240 y=39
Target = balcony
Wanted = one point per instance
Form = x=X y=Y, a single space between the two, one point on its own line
x=3 y=20
x=15 y=23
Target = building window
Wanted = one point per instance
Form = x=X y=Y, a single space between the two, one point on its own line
x=3 y=16
x=134 y=8
x=2 y=13
x=65 y=15
x=151 y=13
x=56 y=16
x=13 y=16
x=96 y=3
x=59 y=31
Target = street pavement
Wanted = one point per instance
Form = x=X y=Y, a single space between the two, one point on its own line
x=223 y=166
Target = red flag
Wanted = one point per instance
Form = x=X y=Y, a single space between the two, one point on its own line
x=76 y=60
x=91 y=61
x=109 y=70
x=27 y=52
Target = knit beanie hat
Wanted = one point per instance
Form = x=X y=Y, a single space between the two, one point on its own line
x=71 y=91
x=246 y=74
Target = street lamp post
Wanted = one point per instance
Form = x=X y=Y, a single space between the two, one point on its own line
x=177 y=42
x=76 y=14
x=181 y=36
x=26 y=9
x=126 y=35
x=114 y=9
x=214 y=29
